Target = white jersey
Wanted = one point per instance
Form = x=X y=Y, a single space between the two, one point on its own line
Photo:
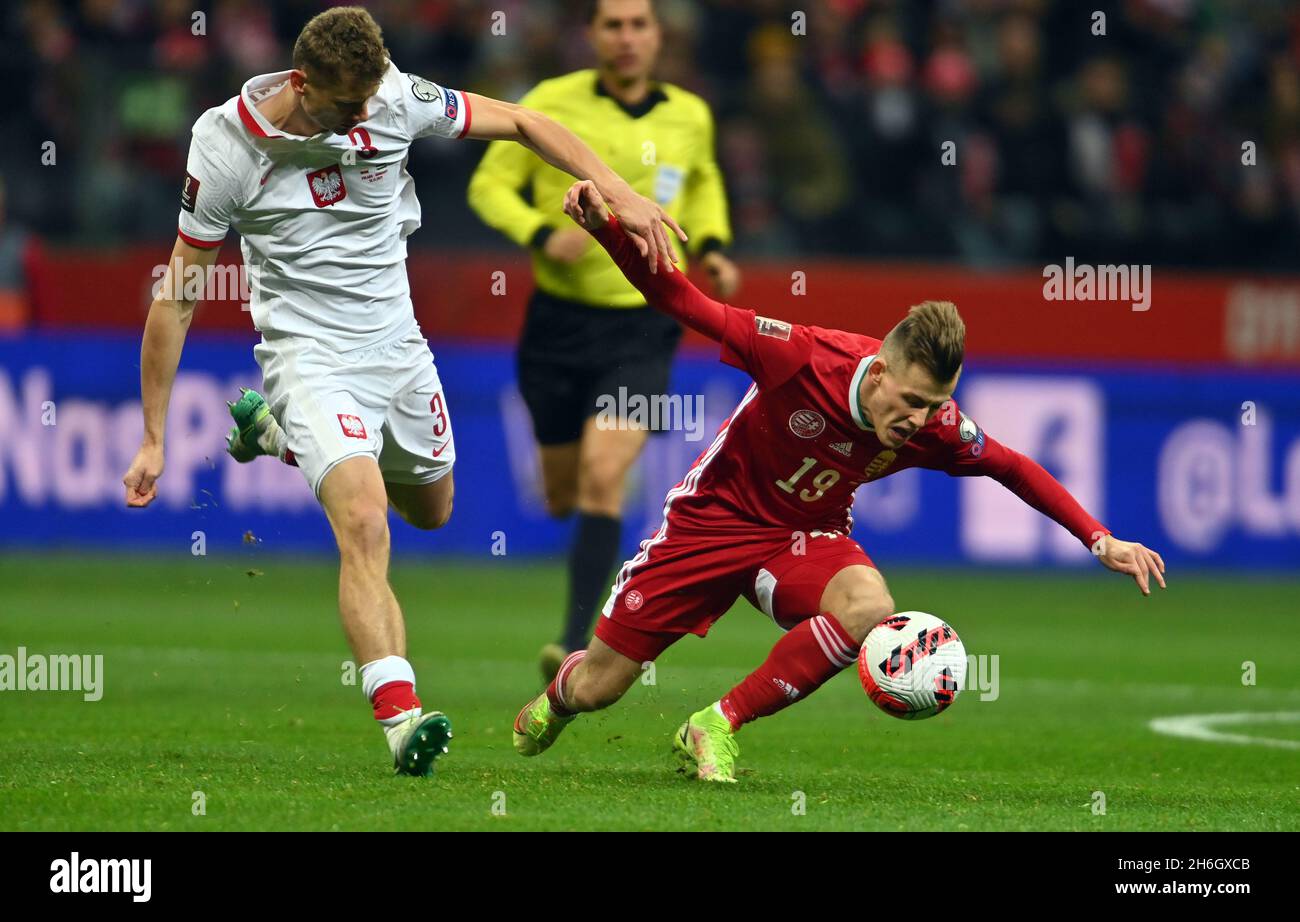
x=324 y=219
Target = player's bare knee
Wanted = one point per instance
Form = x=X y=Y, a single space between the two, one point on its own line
x=864 y=607
x=602 y=485
x=362 y=528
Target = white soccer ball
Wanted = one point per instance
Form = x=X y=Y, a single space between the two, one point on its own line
x=912 y=665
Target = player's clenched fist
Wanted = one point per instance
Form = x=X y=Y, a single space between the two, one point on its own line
x=141 y=478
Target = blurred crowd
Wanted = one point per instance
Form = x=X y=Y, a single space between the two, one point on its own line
x=1126 y=146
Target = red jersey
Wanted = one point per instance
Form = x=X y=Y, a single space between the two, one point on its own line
x=798 y=445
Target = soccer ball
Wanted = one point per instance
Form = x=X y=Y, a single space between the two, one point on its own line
x=912 y=665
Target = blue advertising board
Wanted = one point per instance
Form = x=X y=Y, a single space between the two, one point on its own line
x=1202 y=464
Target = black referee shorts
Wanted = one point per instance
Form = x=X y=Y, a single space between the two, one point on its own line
x=570 y=354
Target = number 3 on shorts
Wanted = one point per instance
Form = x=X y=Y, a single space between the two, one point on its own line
x=439 y=415
x=439 y=411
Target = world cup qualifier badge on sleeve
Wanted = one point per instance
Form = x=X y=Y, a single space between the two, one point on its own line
x=424 y=90
x=189 y=193
x=970 y=432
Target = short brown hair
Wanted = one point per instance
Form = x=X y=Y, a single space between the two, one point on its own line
x=591 y=9
x=342 y=43
x=932 y=334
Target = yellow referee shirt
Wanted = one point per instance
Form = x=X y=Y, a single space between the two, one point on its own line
x=663 y=147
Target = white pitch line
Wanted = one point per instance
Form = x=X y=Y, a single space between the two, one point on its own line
x=1200 y=727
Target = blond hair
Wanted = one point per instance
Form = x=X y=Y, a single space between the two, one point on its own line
x=340 y=44
x=933 y=335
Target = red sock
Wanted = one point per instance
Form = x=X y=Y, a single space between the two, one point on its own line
x=290 y=458
x=555 y=692
x=394 y=698
x=799 y=664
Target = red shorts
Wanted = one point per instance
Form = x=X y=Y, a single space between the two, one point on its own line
x=686 y=578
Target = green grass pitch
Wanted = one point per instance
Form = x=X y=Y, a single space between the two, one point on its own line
x=229 y=684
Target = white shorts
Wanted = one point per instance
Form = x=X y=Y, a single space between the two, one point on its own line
x=385 y=401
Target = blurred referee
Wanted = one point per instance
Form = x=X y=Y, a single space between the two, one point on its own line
x=588 y=331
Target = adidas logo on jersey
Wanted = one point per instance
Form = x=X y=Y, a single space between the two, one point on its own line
x=844 y=448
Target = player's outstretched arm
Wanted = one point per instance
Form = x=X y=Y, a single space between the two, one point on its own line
x=1028 y=479
x=160 y=354
x=641 y=219
x=673 y=294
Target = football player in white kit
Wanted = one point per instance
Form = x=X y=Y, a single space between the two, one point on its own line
x=309 y=166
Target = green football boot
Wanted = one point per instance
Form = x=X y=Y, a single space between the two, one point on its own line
x=417 y=743
x=706 y=747
x=537 y=726
x=256 y=431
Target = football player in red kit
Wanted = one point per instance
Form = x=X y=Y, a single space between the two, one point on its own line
x=765 y=511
